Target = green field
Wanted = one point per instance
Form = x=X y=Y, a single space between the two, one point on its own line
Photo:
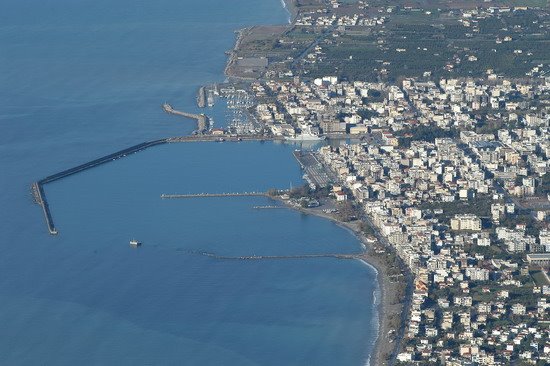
x=412 y=43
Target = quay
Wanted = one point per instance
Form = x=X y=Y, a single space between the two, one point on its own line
x=279 y=257
x=223 y=138
x=208 y=195
x=202 y=119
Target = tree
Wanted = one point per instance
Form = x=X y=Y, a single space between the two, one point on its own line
x=346 y=211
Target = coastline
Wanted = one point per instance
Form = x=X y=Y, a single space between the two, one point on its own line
x=290 y=7
x=388 y=306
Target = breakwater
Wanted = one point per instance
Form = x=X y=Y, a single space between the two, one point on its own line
x=37 y=188
x=279 y=257
x=202 y=120
x=40 y=198
x=102 y=160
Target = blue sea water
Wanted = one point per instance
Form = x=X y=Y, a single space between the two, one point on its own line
x=79 y=79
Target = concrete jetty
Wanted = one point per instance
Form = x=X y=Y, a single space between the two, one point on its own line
x=202 y=119
x=209 y=195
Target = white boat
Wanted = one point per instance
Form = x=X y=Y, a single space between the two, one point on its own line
x=306 y=137
x=134 y=243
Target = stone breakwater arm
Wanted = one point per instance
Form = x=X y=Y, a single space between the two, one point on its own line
x=202 y=119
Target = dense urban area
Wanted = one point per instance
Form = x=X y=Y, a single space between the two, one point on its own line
x=437 y=120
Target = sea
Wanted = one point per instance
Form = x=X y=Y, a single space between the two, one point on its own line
x=83 y=78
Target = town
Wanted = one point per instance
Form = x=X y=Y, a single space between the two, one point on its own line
x=442 y=149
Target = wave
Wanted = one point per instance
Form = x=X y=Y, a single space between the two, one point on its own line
x=376 y=293
x=283 y=3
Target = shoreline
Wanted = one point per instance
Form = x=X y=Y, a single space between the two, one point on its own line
x=383 y=348
x=292 y=9
x=289 y=6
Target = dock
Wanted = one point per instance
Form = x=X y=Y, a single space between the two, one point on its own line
x=202 y=119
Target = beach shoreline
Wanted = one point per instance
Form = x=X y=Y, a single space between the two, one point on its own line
x=387 y=308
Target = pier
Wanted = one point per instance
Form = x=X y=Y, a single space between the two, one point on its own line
x=202 y=119
x=208 y=195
